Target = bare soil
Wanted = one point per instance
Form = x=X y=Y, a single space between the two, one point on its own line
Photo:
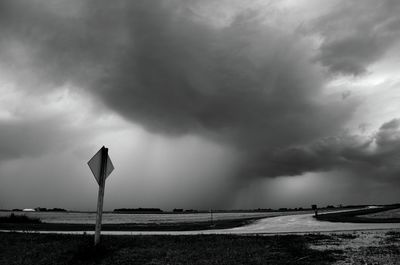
x=363 y=247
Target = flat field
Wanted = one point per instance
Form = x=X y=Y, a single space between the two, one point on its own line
x=122 y=218
x=83 y=221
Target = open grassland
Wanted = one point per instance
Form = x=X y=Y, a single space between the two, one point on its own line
x=395 y=213
x=67 y=221
x=363 y=215
x=368 y=247
x=29 y=224
x=147 y=218
x=55 y=249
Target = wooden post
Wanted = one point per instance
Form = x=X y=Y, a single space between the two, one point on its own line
x=100 y=199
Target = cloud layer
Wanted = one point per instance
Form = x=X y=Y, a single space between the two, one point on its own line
x=356 y=34
x=247 y=82
x=181 y=69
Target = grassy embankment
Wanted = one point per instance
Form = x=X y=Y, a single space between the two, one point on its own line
x=31 y=248
x=357 y=216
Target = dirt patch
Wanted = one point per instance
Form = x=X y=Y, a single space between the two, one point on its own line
x=363 y=247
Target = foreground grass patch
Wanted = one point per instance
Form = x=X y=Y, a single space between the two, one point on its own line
x=393 y=236
x=202 y=249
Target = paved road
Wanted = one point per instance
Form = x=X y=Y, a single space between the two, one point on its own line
x=306 y=223
x=302 y=223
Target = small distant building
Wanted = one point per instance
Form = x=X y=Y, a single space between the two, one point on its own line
x=28 y=210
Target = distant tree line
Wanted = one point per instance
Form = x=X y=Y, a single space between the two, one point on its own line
x=178 y=210
x=138 y=210
x=42 y=209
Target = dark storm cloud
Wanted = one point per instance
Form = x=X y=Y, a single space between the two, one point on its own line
x=357 y=34
x=247 y=81
x=391 y=125
x=374 y=156
x=320 y=155
x=384 y=159
x=44 y=44
x=248 y=84
x=164 y=68
x=388 y=137
x=34 y=138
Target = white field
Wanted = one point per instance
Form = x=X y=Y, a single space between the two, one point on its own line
x=113 y=218
x=299 y=223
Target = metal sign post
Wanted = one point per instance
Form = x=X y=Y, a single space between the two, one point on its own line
x=315 y=208
x=101 y=166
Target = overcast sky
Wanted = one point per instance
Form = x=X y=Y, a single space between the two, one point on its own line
x=202 y=104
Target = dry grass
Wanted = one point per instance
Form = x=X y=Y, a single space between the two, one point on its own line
x=357 y=247
x=395 y=213
x=362 y=215
x=202 y=249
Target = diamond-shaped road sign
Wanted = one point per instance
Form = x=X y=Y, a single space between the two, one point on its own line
x=95 y=165
x=101 y=166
